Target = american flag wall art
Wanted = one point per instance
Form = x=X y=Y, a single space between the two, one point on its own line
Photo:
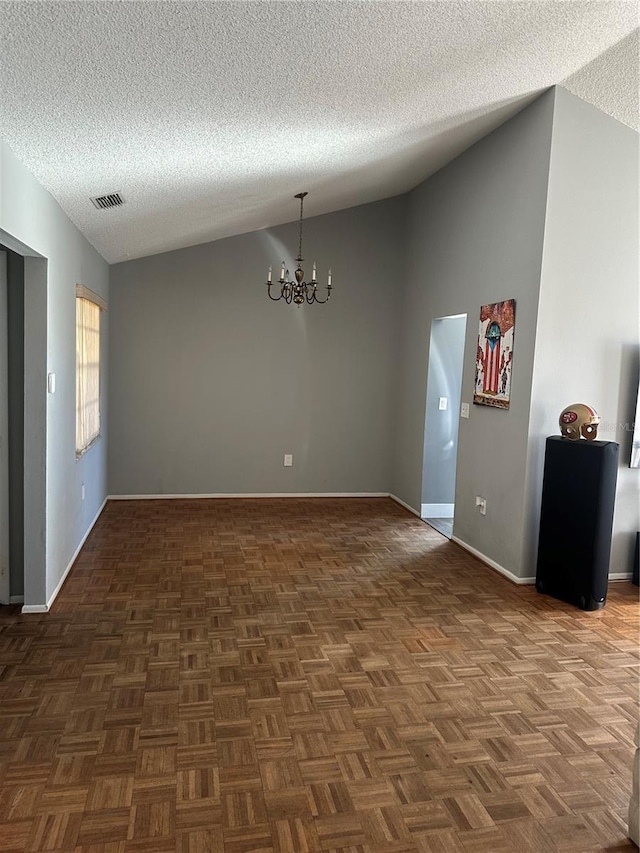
x=494 y=357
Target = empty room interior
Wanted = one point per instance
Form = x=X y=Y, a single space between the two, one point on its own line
x=319 y=453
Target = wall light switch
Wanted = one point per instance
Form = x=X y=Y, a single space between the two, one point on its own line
x=288 y=460
x=442 y=404
x=481 y=503
x=51 y=383
x=464 y=410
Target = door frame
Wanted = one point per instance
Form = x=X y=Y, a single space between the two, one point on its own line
x=440 y=509
x=5 y=575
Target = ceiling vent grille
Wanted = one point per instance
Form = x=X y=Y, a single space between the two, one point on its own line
x=104 y=202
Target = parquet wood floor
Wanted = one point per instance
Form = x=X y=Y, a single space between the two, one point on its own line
x=293 y=676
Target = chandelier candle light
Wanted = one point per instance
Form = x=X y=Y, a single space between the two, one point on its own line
x=298 y=291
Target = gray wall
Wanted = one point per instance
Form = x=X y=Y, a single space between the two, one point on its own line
x=588 y=323
x=57 y=519
x=475 y=232
x=37 y=567
x=212 y=383
x=446 y=357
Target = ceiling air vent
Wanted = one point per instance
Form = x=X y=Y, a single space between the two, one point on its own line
x=104 y=202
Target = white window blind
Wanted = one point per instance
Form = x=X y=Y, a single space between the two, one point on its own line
x=87 y=373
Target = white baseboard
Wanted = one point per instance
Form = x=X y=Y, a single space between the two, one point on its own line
x=250 y=495
x=405 y=505
x=437 y=510
x=620 y=576
x=16 y=599
x=44 y=608
x=492 y=563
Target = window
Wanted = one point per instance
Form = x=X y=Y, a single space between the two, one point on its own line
x=88 y=307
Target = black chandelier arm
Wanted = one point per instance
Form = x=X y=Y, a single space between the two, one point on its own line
x=326 y=299
x=286 y=292
x=273 y=298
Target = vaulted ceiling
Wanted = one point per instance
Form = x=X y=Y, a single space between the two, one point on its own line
x=209 y=116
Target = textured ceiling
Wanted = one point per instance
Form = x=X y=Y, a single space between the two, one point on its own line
x=612 y=81
x=208 y=117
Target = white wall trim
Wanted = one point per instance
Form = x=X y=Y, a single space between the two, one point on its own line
x=437 y=510
x=513 y=578
x=405 y=505
x=620 y=576
x=250 y=495
x=44 y=608
x=16 y=599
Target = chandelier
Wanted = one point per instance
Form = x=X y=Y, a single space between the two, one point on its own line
x=298 y=291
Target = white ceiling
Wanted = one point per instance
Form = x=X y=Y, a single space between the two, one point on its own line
x=209 y=116
x=612 y=81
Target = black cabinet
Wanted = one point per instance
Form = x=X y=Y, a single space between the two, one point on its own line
x=578 y=496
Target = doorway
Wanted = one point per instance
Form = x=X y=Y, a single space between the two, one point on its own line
x=23 y=424
x=5 y=590
x=12 y=400
x=442 y=411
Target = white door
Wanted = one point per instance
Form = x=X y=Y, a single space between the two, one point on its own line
x=4 y=435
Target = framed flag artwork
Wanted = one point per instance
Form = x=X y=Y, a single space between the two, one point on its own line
x=495 y=354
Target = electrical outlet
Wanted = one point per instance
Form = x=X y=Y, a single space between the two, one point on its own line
x=481 y=503
x=82 y=492
x=464 y=410
x=442 y=404
x=288 y=460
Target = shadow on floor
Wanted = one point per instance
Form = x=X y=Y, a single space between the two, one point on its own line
x=442 y=525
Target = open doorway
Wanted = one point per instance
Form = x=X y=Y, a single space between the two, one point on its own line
x=5 y=586
x=442 y=411
x=23 y=425
x=12 y=400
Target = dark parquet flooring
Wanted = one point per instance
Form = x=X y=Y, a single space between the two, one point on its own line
x=289 y=676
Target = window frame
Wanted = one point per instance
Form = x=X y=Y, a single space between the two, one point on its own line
x=83 y=293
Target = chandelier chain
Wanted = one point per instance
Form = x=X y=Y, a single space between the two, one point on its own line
x=299 y=258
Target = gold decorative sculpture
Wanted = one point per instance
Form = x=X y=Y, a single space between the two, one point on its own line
x=579 y=421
